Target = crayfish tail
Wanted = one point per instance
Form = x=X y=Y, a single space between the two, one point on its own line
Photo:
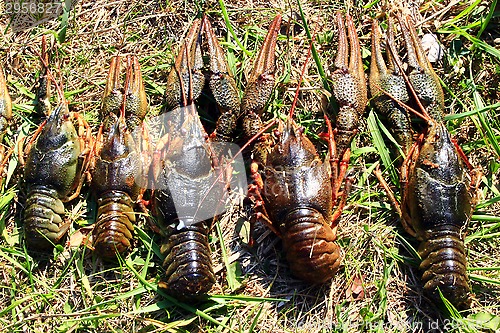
x=444 y=266
x=188 y=265
x=43 y=224
x=310 y=245
x=114 y=228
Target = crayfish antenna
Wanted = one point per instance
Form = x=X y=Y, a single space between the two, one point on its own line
x=297 y=91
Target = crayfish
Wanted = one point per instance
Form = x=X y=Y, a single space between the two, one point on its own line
x=118 y=177
x=296 y=192
x=54 y=172
x=438 y=183
x=191 y=162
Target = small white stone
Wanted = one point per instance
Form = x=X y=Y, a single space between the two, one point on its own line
x=432 y=47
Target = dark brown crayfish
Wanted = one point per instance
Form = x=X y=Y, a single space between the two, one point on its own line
x=117 y=177
x=190 y=162
x=438 y=182
x=298 y=192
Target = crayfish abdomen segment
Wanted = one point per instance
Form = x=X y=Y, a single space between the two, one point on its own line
x=42 y=218
x=310 y=246
x=444 y=264
x=115 y=224
x=188 y=264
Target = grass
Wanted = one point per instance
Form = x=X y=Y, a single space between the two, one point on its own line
x=378 y=287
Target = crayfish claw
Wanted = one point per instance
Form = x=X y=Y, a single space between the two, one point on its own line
x=185 y=81
x=261 y=81
x=265 y=62
x=349 y=85
x=378 y=68
x=422 y=77
x=136 y=104
x=113 y=95
x=341 y=59
x=355 y=61
x=388 y=87
x=222 y=85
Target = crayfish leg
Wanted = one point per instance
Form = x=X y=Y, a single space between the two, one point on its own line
x=338 y=167
x=260 y=213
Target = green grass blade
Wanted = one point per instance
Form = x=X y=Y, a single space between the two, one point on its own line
x=485 y=124
x=464 y=12
x=231 y=278
x=314 y=52
x=64 y=21
x=230 y=28
x=256 y=319
x=476 y=41
x=488 y=18
x=378 y=141
x=467 y=114
x=484 y=279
